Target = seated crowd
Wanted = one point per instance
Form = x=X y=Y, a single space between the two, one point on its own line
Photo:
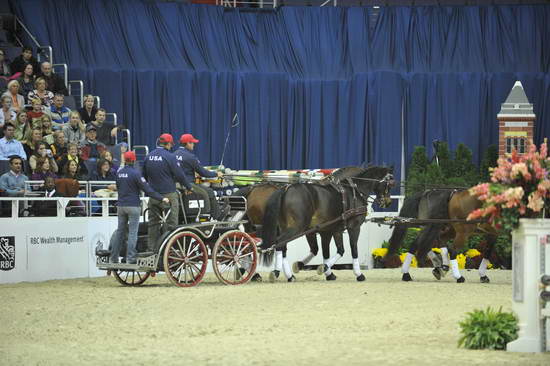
x=42 y=139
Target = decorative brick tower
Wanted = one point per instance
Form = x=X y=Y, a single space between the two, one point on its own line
x=516 y=122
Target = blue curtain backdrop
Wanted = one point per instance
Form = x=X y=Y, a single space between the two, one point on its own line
x=314 y=87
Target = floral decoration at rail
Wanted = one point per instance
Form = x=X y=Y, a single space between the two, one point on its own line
x=519 y=188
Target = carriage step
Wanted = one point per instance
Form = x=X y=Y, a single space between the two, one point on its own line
x=102 y=253
x=144 y=254
x=124 y=267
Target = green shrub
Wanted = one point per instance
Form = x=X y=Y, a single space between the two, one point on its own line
x=488 y=329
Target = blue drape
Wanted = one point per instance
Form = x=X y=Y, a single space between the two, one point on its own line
x=314 y=87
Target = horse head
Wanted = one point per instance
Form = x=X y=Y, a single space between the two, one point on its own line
x=378 y=180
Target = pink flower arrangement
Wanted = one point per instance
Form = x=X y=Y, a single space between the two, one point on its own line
x=519 y=187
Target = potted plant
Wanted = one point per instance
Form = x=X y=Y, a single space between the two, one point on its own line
x=516 y=200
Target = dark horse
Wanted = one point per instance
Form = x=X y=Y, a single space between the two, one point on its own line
x=442 y=204
x=304 y=206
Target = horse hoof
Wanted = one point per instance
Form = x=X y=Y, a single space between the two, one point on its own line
x=437 y=273
x=331 y=277
x=361 y=278
x=445 y=268
x=322 y=268
x=461 y=280
x=484 y=279
x=297 y=266
x=273 y=275
x=256 y=278
x=292 y=279
x=406 y=277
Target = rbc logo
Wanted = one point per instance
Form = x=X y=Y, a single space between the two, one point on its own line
x=7 y=253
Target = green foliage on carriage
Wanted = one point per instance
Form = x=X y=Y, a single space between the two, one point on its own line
x=489 y=328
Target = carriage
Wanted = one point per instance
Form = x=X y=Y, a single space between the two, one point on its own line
x=183 y=252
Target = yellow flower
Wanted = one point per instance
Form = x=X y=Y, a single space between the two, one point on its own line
x=379 y=252
x=461 y=259
x=414 y=263
x=472 y=253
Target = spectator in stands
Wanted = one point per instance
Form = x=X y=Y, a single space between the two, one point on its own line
x=41 y=151
x=21 y=61
x=47 y=208
x=22 y=126
x=9 y=146
x=59 y=147
x=92 y=148
x=107 y=155
x=55 y=82
x=43 y=169
x=72 y=171
x=17 y=100
x=103 y=173
x=40 y=92
x=73 y=155
x=30 y=143
x=7 y=114
x=75 y=130
x=5 y=70
x=35 y=116
x=47 y=131
x=26 y=82
x=58 y=112
x=106 y=131
x=87 y=113
x=13 y=182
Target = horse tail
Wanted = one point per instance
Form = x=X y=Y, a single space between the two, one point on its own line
x=270 y=224
x=409 y=210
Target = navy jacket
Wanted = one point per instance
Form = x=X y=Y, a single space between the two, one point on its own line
x=161 y=169
x=191 y=164
x=129 y=184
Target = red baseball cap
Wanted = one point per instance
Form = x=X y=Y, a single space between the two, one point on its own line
x=165 y=138
x=187 y=137
x=130 y=156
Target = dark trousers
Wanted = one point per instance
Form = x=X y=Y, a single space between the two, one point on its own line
x=214 y=209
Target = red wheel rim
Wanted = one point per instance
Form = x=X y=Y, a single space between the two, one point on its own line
x=235 y=258
x=185 y=259
x=131 y=278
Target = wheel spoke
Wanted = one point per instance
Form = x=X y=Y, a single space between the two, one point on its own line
x=246 y=255
x=240 y=245
x=180 y=259
x=230 y=246
x=133 y=277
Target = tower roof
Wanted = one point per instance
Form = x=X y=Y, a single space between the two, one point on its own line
x=516 y=103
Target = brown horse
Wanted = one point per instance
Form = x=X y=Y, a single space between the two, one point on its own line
x=443 y=204
x=257 y=197
x=303 y=207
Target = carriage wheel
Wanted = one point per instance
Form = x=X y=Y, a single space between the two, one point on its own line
x=131 y=277
x=185 y=259
x=235 y=258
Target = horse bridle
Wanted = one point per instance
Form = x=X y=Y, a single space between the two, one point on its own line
x=387 y=180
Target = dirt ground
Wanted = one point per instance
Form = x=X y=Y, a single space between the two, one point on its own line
x=381 y=321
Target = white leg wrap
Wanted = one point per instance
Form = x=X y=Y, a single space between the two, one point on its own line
x=356 y=268
x=328 y=271
x=278 y=260
x=445 y=255
x=330 y=262
x=407 y=263
x=286 y=268
x=483 y=267
x=308 y=258
x=456 y=271
x=432 y=257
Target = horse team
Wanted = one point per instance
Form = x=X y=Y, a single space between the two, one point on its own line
x=279 y=213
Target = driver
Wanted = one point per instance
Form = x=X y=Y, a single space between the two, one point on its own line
x=161 y=170
x=191 y=165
